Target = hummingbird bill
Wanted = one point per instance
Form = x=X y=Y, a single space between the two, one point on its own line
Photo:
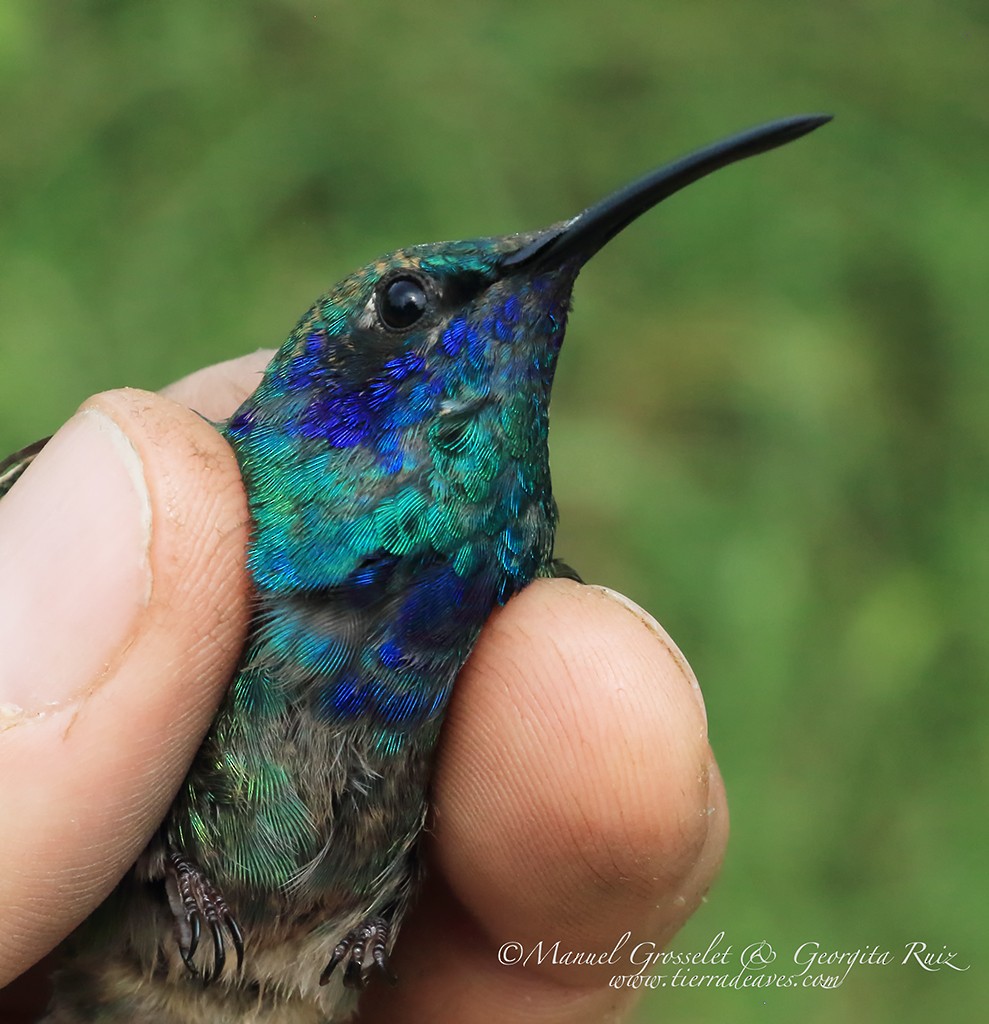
x=396 y=466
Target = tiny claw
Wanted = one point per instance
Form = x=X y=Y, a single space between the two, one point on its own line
x=381 y=961
x=353 y=975
x=339 y=952
x=193 y=899
x=237 y=937
x=219 y=952
x=188 y=961
x=188 y=954
x=352 y=949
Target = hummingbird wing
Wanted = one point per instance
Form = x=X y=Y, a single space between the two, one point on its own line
x=14 y=465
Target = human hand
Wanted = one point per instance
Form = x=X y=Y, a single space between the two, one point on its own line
x=575 y=795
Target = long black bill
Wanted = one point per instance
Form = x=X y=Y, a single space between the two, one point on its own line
x=584 y=234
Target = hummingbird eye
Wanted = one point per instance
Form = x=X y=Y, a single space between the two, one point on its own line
x=401 y=301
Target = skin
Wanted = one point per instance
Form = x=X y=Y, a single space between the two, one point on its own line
x=576 y=796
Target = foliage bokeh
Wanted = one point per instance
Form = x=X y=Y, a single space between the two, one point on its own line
x=770 y=424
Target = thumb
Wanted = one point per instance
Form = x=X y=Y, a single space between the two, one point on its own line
x=123 y=608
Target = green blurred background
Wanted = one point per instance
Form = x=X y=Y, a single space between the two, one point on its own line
x=770 y=425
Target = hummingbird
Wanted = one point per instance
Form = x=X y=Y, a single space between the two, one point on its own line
x=395 y=461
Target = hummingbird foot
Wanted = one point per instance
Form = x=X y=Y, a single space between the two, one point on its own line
x=194 y=899
x=369 y=938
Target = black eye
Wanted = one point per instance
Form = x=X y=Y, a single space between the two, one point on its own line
x=401 y=302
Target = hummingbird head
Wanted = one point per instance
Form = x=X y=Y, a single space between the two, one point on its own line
x=440 y=358
x=434 y=329
x=429 y=331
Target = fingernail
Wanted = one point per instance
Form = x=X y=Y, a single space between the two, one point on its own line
x=667 y=641
x=75 y=573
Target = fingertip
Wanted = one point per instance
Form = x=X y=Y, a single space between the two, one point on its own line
x=658 y=633
x=97 y=764
x=573 y=784
x=199 y=605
